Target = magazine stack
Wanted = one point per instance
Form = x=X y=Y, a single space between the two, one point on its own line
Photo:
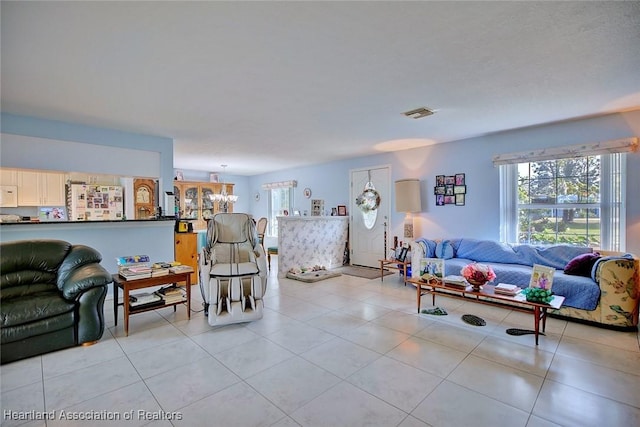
x=144 y=300
x=457 y=281
x=134 y=267
x=506 y=289
x=172 y=294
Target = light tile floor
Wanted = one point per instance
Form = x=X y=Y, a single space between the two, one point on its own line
x=345 y=351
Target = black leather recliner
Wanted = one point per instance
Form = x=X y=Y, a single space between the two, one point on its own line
x=51 y=297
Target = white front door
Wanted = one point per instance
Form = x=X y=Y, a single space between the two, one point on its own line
x=367 y=244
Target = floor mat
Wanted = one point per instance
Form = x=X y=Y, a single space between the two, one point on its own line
x=435 y=311
x=364 y=272
x=313 y=276
x=474 y=320
x=517 y=331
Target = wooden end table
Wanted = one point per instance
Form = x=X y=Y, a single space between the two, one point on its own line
x=486 y=295
x=131 y=285
x=396 y=265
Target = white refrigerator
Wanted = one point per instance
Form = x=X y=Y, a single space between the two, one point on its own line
x=90 y=202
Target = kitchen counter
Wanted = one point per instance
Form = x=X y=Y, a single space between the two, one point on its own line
x=112 y=239
x=124 y=221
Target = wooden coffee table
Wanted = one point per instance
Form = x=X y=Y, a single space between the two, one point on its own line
x=487 y=296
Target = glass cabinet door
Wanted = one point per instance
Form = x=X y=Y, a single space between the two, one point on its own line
x=176 y=193
x=208 y=204
x=191 y=203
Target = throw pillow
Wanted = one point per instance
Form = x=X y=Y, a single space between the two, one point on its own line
x=431 y=248
x=444 y=250
x=582 y=264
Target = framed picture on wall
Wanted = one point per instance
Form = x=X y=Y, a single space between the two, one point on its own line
x=342 y=210
x=450 y=189
x=317 y=207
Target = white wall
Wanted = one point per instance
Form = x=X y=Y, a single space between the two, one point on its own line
x=111 y=240
x=104 y=156
x=480 y=217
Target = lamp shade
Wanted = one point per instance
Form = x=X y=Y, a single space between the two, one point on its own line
x=408 y=195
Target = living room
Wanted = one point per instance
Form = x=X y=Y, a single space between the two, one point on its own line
x=346 y=351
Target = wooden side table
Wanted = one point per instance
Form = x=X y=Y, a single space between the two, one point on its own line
x=396 y=265
x=131 y=285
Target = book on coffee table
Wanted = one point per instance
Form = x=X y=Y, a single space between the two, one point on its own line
x=181 y=269
x=455 y=281
x=506 y=289
x=144 y=300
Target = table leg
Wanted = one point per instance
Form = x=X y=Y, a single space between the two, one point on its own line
x=404 y=273
x=115 y=303
x=536 y=313
x=125 y=303
x=188 y=283
x=419 y=296
x=544 y=319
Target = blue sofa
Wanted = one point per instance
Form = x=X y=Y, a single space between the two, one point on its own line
x=608 y=296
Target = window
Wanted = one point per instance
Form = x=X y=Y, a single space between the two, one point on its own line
x=574 y=201
x=280 y=203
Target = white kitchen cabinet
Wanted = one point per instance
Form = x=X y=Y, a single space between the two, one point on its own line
x=8 y=177
x=53 y=189
x=87 y=178
x=40 y=188
x=8 y=196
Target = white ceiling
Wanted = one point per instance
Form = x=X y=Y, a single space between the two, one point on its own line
x=264 y=86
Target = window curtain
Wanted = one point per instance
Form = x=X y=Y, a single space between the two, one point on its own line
x=580 y=150
x=280 y=184
x=509 y=203
x=612 y=205
x=278 y=193
x=612 y=186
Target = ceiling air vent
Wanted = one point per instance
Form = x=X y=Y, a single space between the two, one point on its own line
x=419 y=113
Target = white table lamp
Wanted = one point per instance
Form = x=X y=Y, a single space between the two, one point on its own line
x=408 y=201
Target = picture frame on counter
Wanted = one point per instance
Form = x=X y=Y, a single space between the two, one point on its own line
x=403 y=254
x=317 y=207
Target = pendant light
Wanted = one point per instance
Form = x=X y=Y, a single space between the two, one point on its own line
x=223 y=197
